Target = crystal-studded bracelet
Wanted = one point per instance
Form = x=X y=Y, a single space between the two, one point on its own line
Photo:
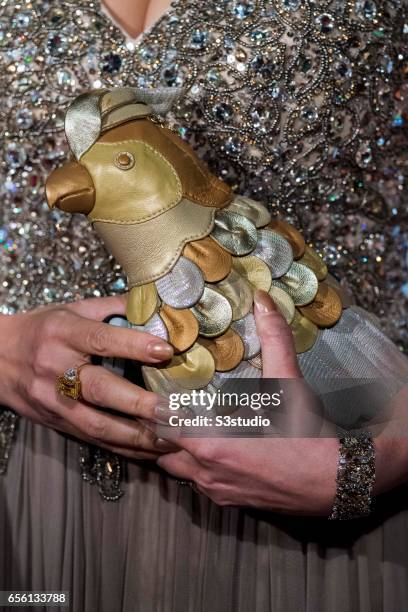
x=355 y=478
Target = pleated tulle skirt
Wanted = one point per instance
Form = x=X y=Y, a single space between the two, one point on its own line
x=164 y=548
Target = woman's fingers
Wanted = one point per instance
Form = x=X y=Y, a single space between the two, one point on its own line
x=100 y=308
x=302 y=415
x=102 y=428
x=102 y=388
x=278 y=349
x=97 y=338
x=182 y=465
x=130 y=453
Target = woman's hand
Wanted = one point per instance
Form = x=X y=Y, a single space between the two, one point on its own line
x=292 y=475
x=285 y=474
x=39 y=345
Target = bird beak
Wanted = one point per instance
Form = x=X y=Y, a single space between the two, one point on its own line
x=71 y=188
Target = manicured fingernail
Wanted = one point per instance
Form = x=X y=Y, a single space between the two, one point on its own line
x=263 y=301
x=165 y=446
x=160 y=350
x=162 y=412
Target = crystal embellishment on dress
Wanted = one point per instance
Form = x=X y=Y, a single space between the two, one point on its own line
x=8 y=427
x=290 y=5
x=243 y=8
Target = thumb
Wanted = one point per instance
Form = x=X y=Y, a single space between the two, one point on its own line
x=278 y=349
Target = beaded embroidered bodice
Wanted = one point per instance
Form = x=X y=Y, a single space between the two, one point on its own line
x=301 y=102
x=296 y=103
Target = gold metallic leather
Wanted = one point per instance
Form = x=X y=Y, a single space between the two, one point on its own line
x=148 y=250
x=254 y=270
x=253 y=210
x=157 y=380
x=283 y=303
x=227 y=350
x=312 y=260
x=304 y=333
x=142 y=303
x=163 y=204
x=198 y=185
x=100 y=110
x=193 y=369
x=70 y=188
x=181 y=325
x=326 y=308
x=214 y=261
x=130 y=196
x=238 y=292
x=202 y=186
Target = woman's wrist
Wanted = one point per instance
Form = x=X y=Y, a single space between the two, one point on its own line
x=314 y=478
x=392 y=446
x=391 y=463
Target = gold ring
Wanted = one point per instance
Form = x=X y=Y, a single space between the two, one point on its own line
x=69 y=383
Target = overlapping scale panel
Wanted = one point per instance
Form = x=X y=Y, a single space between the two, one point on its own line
x=214 y=262
x=213 y=313
x=326 y=308
x=193 y=369
x=142 y=303
x=155 y=326
x=227 y=350
x=238 y=292
x=275 y=251
x=300 y=283
x=292 y=235
x=203 y=305
x=254 y=271
x=246 y=329
x=252 y=210
x=182 y=327
x=183 y=286
x=235 y=233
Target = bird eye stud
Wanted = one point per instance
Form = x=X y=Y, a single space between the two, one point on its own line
x=124 y=160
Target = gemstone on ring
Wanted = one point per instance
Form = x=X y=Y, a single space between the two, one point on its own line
x=69 y=383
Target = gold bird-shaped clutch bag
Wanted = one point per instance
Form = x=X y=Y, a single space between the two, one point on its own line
x=193 y=251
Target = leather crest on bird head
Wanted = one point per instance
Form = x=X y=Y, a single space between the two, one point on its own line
x=143 y=188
